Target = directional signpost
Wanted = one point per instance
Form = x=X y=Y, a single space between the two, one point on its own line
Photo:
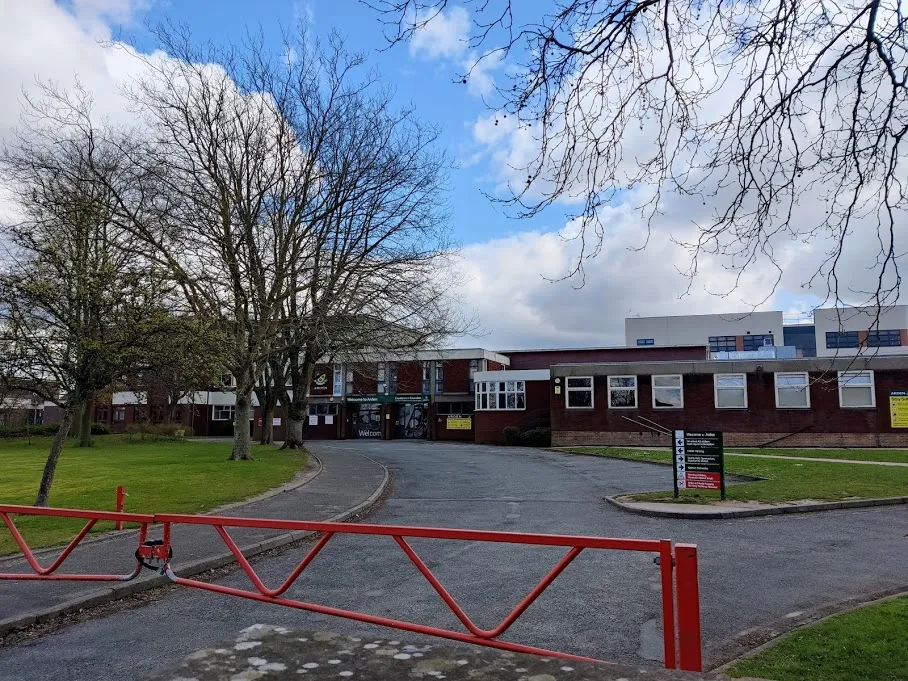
x=698 y=460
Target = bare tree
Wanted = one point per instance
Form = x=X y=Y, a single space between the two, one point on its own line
x=375 y=274
x=77 y=299
x=755 y=108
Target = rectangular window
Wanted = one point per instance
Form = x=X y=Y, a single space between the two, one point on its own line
x=579 y=393
x=338 y=382
x=668 y=392
x=321 y=409
x=842 y=339
x=101 y=414
x=349 y=381
x=889 y=338
x=392 y=378
x=730 y=391
x=222 y=412
x=439 y=377
x=119 y=414
x=792 y=390
x=380 y=379
x=454 y=408
x=226 y=380
x=622 y=392
x=646 y=341
x=856 y=389
x=426 y=377
x=722 y=344
x=504 y=395
x=757 y=341
x=474 y=367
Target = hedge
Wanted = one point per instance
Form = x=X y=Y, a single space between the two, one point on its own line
x=535 y=437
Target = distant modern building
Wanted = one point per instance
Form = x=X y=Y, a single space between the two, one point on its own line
x=835 y=332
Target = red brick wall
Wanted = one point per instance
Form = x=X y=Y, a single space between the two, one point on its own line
x=824 y=424
x=409 y=378
x=456 y=376
x=495 y=366
x=536 y=359
x=488 y=426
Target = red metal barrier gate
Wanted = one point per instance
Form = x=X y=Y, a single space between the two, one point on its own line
x=678 y=567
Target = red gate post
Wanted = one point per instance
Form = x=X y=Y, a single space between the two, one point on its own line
x=121 y=501
x=666 y=567
x=689 y=644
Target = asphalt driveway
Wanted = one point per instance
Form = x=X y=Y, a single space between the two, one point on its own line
x=752 y=571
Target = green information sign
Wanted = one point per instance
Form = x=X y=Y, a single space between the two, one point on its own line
x=385 y=399
x=699 y=461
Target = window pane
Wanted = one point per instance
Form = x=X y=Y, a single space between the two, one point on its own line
x=501 y=386
x=509 y=386
x=857 y=378
x=492 y=386
x=667 y=381
x=622 y=381
x=792 y=397
x=791 y=379
x=512 y=401
x=579 y=382
x=730 y=381
x=521 y=402
x=857 y=397
x=622 y=398
x=580 y=398
x=668 y=397
x=501 y=400
x=485 y=401
x=730 y=397
x=520 y=386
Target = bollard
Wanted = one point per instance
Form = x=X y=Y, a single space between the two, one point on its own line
x=121 y=501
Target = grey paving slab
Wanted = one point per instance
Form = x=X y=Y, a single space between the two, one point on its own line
x=753 y=571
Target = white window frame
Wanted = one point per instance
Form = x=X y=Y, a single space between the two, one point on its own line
x=872 y=387
x=337 y=380
x=491 y=394
x=610 y=389
x=591 y=389
x=223 y=407
x=717 y=388
x=806 y=387
x=117 y=409
x=680 y=387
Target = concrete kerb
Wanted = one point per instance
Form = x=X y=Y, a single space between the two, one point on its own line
x=298 y=481
x=719 y=514
x=125 y=589
x=775 y=633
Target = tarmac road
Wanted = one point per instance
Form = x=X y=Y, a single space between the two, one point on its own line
x=753 y=571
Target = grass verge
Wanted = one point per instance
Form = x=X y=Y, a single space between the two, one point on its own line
x=785 y=480
x=178 y=477
x=889 y=455
x=867 y=644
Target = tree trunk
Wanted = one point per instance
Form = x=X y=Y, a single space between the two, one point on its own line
x=50 y=466
x=242 y=440
x=295 y=413
x=267 y=424
x=88 y=408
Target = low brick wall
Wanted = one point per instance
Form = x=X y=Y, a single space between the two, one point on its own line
x=568 y=438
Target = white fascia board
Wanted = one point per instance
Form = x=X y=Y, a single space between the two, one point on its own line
x=437 y=354
x=518 y=375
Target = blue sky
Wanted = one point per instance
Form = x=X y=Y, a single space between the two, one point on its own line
x=511 y=269
x=425 y=83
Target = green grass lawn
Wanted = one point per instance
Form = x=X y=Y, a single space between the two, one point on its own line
x=870 y=644
x=893 y=455
x=786 y=480
x=178 y=477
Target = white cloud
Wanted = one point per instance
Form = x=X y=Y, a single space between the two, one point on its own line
x=445 y=36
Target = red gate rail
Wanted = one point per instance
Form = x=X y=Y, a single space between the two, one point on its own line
x=678 y=567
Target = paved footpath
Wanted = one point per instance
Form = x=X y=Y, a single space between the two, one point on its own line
x=346 y=481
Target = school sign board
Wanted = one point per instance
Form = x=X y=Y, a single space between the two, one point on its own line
x=898 y=408
x=698 y=460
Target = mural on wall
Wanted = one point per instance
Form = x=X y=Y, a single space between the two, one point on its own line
x=412 y=421
x=367 y=421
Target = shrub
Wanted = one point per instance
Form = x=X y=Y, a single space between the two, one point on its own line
x=23 y=430
x=535 y=437
x=145 y=431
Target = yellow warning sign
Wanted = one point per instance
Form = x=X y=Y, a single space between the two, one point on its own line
x=459 y=423
x=898 y=408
